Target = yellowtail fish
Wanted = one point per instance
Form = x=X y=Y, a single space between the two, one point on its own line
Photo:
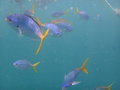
x=53 y=28
x=25 y=64
x=59 y=13
x=82 y=14
x=69 y=79
x=63 y=24
x=28 y=26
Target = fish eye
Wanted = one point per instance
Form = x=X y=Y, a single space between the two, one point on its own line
x=17 y=26
x=9 y=19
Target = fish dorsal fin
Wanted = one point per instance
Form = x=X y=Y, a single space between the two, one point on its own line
x=30 y=12
x=75 y=83
x=20 y=32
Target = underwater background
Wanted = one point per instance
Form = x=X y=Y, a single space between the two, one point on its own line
x=97 y=40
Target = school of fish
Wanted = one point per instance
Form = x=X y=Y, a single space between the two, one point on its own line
x=28 y=25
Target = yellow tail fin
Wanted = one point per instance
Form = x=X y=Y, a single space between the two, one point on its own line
x=77 y=10
x=109 y=87
x=35 y=65
x=42 y=39
x=83 y=68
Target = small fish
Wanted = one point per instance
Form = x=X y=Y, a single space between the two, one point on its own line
x=25 y=64
x=82 y=14
x=63 y=24
x=69 y=79
x=53 y=28
x=28 y=26
x=104 y=88
x=59 y=13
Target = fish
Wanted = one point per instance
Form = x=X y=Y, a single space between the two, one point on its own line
x=25 y=64
x=104 y=87
x=82 y=14
x=69 y=79
x=63 y=24
x=53 y=28
x=26 y=25
x=59 y=14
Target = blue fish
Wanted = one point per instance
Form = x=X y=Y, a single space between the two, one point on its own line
x=104 y=87
x=59 y=14
x=28 y=26
x=69 y=79
x=82 y=14
x=24 y=64
x=53 y=28
x=65 y=26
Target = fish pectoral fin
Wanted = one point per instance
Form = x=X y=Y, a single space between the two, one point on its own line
x=20 y=32
x=35 y=65
x=75 y=83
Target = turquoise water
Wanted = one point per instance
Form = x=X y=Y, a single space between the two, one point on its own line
x=97 y=40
